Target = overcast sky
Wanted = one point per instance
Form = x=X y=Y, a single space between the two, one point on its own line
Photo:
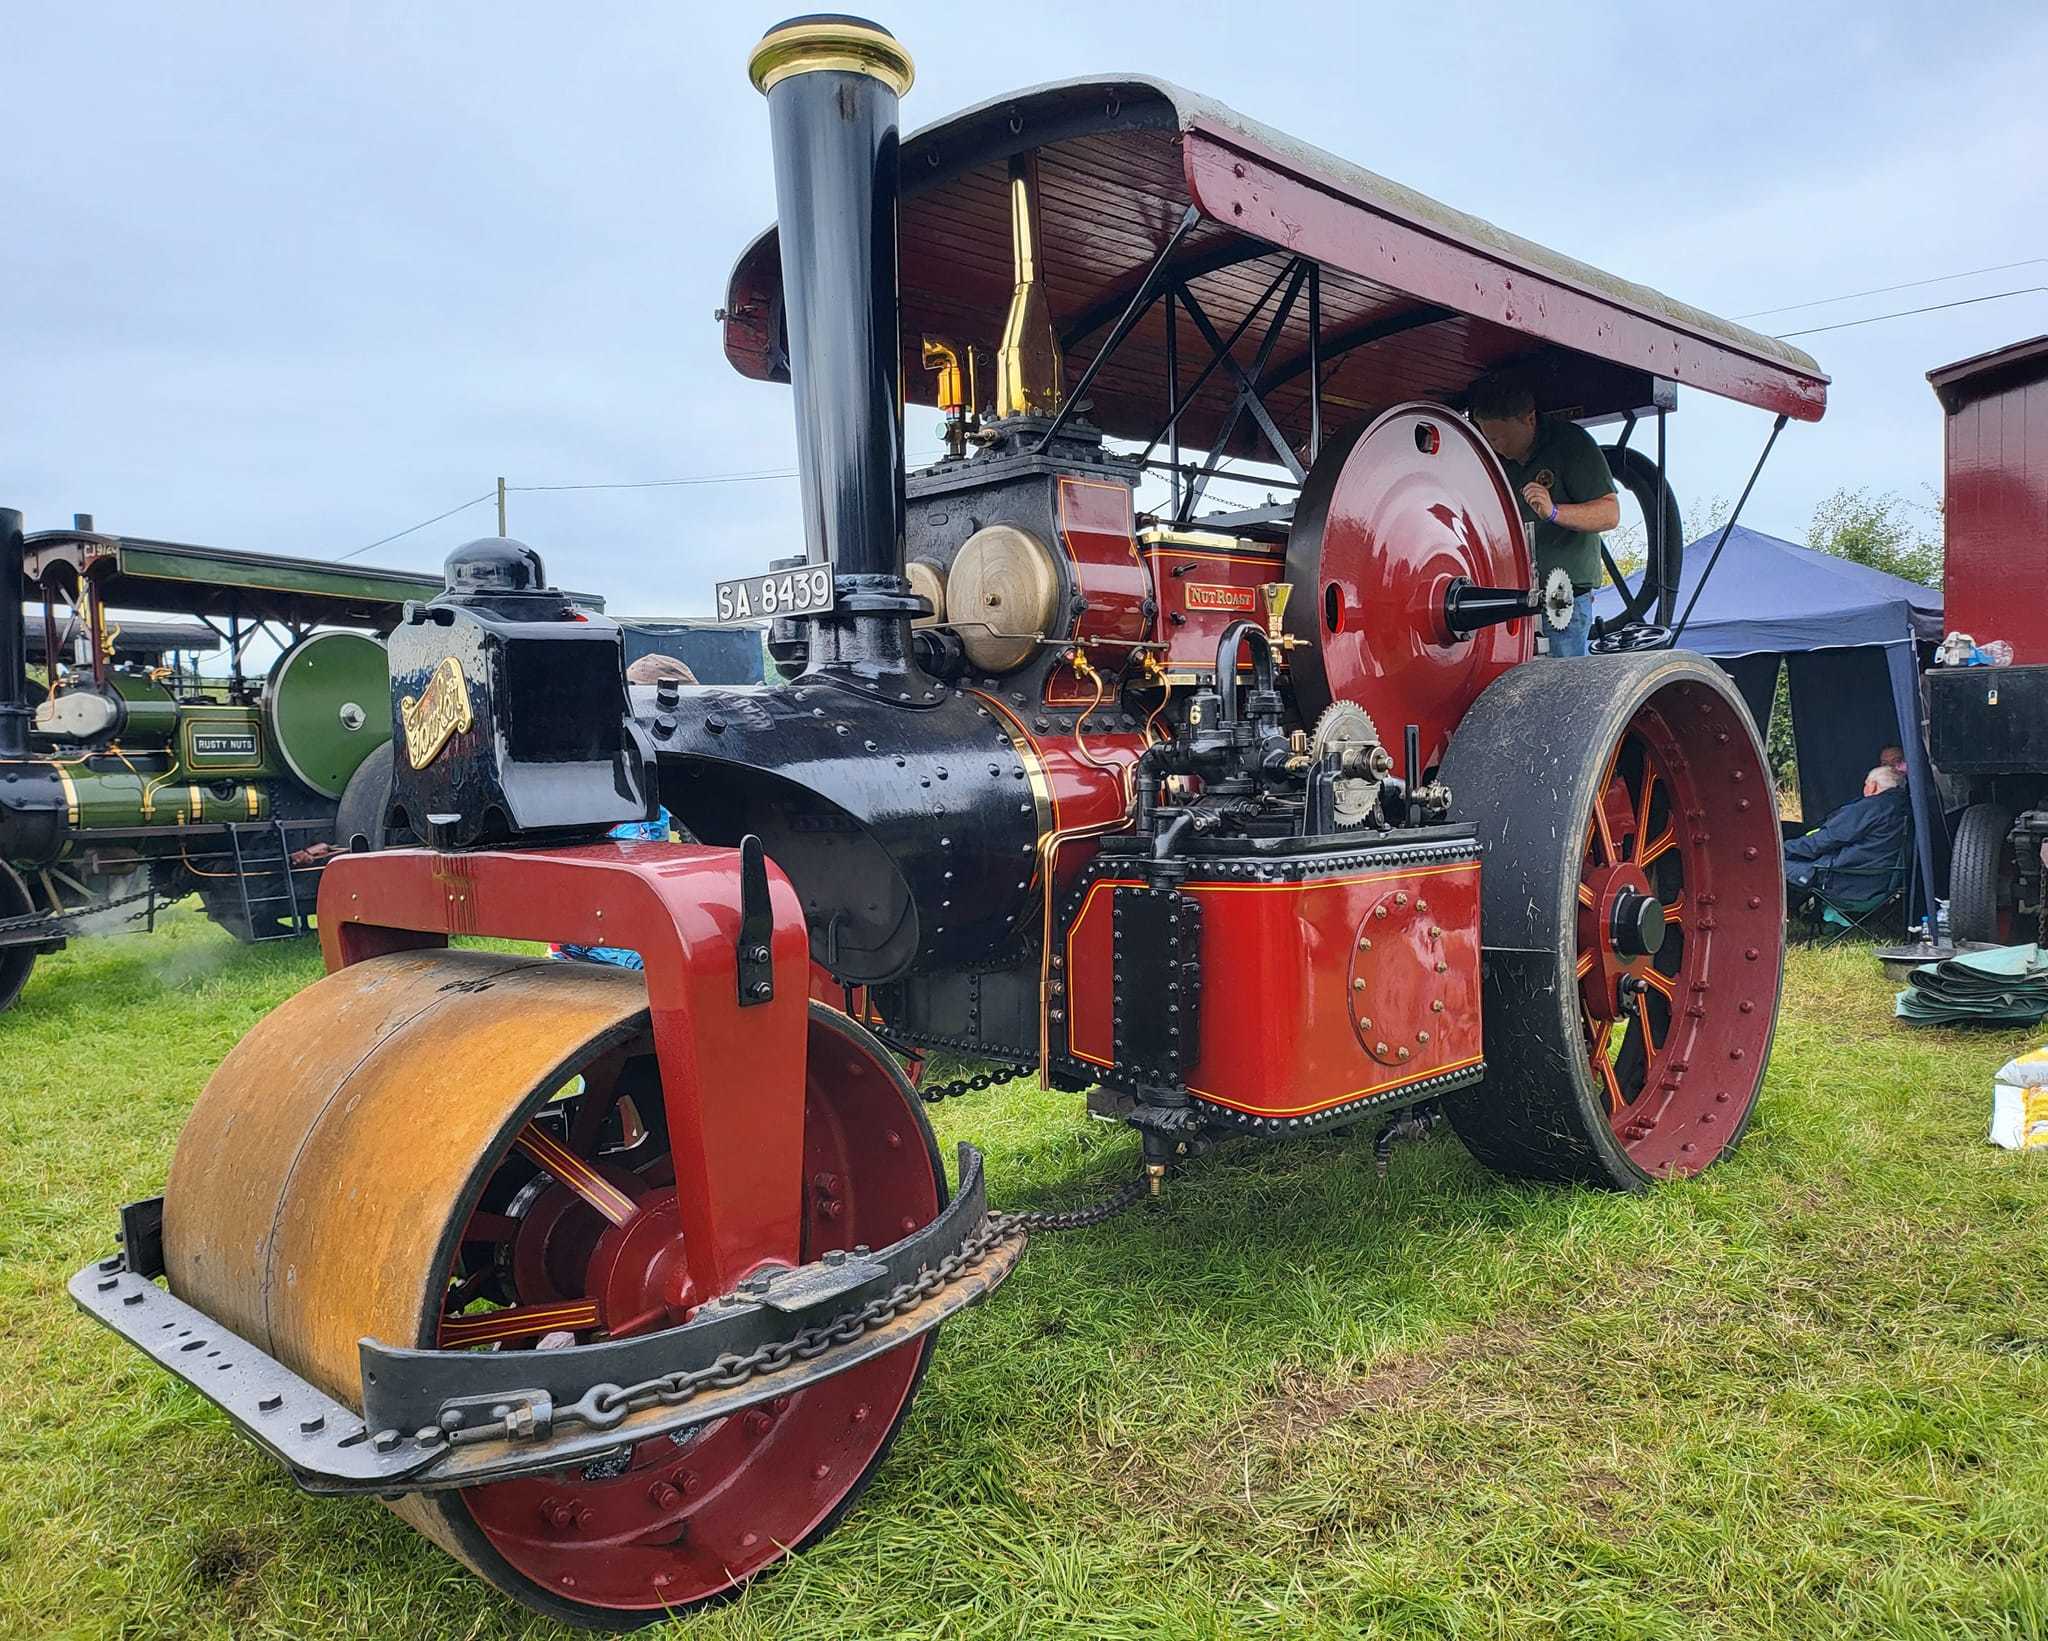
x=293 y=278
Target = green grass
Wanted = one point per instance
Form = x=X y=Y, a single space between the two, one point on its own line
x=1804 y=1396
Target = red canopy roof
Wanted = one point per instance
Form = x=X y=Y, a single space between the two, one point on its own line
x=1416 y=299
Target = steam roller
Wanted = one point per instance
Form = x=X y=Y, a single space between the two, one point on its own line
x=616 y=1281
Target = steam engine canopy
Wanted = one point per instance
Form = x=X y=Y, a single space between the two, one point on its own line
x=1394 y=513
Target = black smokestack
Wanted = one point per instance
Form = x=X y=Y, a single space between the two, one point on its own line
x=13 y=644
x=832 y=85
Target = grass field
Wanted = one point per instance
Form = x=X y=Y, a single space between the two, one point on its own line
x=1805 y=1396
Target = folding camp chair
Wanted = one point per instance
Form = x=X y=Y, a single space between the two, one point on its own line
x=1829 y=916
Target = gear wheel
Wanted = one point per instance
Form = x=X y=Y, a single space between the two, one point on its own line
x=1345 y=724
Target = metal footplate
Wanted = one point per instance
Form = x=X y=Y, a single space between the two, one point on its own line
x=438 y=1419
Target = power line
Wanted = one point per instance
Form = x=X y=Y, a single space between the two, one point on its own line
x=1886 y=290
x=619 y=484
x=662 y=484
x=459 y=507
x=1221 y=476
x=1907 y=313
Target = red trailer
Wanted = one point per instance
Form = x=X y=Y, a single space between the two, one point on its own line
x=1988 y=727
x=1247 y=827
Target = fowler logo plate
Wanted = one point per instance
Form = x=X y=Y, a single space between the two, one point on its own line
x=441 y=711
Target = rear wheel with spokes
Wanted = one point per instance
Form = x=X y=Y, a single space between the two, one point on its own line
x=1633 y=917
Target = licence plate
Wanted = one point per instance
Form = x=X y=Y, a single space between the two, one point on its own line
x=804 y=591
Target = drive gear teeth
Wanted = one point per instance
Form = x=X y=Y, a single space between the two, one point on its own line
x=1346 y=724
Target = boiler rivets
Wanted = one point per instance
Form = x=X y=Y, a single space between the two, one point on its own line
x=1358 y=984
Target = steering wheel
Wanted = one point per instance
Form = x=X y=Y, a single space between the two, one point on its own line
x=1655 y=594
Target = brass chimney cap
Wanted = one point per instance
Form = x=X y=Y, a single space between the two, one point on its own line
x=852 y=45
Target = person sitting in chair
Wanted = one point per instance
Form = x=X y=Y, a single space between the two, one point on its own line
x=1855 y=853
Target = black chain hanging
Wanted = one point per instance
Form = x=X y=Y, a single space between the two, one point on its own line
x=932 y=1093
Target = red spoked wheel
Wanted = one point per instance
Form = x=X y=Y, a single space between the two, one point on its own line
x=468 y=1151
x=1633 y=917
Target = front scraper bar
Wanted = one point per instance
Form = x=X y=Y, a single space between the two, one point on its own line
x=438 y=1419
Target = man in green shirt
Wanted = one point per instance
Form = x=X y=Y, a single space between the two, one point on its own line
x=1566 y=492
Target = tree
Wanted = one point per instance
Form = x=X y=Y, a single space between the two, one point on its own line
x=1881 y=529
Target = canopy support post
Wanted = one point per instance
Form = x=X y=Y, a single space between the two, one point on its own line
x=1727 y=529
x=1315 y=361
x=1179 y=407
x=1667 y=600
x=1141 y=299
x=1248 y=399
x=1172 y=397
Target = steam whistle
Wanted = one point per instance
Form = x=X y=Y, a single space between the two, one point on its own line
x=959 y=395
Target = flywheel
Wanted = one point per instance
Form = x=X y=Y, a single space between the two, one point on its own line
x=1394 y=512
x=468 y=1150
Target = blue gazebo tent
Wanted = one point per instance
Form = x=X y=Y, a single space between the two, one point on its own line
x=1853 y=641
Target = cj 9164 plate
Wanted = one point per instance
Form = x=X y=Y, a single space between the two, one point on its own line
x=805 y=591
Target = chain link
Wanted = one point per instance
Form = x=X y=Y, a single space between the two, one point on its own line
x=57 y=920
x=605 y=1405
x=932 y=1093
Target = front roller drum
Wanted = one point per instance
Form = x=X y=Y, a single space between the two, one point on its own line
x=464 y=1150
x=1633 y=908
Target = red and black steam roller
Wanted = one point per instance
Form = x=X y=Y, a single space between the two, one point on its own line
x=616 y=1284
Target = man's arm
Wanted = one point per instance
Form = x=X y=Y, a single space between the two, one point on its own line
x=1832 y=835
x=1592 y=516
x=1596 y=507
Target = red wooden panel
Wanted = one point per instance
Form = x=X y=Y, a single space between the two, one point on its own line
x=1996 y=519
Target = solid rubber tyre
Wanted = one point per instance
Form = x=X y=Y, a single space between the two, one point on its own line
x=1686 y=820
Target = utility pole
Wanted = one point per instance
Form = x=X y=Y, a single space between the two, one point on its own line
x=501 y=505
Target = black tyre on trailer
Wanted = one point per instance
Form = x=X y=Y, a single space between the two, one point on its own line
x=1983 y=877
